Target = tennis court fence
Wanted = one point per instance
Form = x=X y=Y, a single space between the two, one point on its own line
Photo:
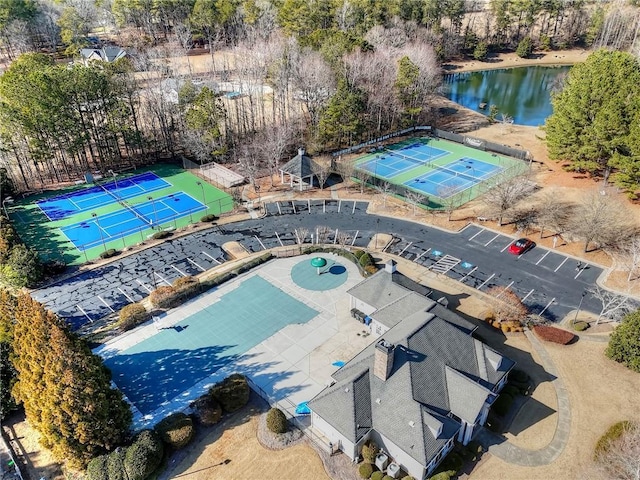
x=218 y=174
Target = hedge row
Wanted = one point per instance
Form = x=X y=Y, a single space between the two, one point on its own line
x=136 y=462
x=176 y=430
x=553 y=334
x=186 y=288
x=131 y=316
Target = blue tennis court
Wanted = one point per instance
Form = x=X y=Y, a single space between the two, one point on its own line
x=134 y=218
x=390 y=163
x=62 y=206
x=446 y=181
x=160 y=368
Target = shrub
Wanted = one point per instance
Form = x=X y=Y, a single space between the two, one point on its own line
x=358 y=253
x=502 y=404
x=408 y=477
x=97 y=468
x=161 y=297
x=580 y=326
x=481 y=51
x=232 y=393
x=553 y=334
x=369 y=451
x=366 y=260
x=176 y=430
x=624 y=343
x=376 y=476
x=525 y=48
x=162 y=234
x=112 y=252
x=206 y=410
x=208 y=218
x=365 y=470
x=277 y=421
x=441 y=476
x=144 y=456
x=614 y=432
x=387 y=477
x=131 y=316
x=371 y=269
x=115 y=464
x=184 y=282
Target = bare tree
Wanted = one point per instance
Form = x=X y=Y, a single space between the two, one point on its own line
x=415 y=199
x=600 y=220
x=314 y=81
x=347 y=171
x=323 y=233
x=621 y=459
x=343 y=238
x=275 y=139
x=614 y=305
x=629 y=250
x=384 y=190
x=301 y=235
x=552 y=211
x=506 y=306
x=362 y=176
x=249 y=162
x=449 y=199
x=504 y=196
x=183 y=34
x=321 y=173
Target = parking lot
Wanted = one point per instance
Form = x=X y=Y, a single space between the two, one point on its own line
x=548 y=282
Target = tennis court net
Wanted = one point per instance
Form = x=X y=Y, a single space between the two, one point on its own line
x=455 y=173
x=127 y=206
x=415 y=161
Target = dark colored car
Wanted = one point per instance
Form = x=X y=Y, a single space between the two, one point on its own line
x=520 y=246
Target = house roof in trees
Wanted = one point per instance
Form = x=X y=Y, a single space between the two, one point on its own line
x=104 y=54
x=301 y=166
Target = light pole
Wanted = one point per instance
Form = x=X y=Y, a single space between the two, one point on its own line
x=204 y=199
x=114 y=178
x=579 y=305
x=155 y=213
x=95 y=219
x=377 y=231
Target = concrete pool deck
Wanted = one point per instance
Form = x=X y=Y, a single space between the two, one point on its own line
x=291 y=366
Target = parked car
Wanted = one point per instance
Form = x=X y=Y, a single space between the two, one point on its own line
x=520 y=246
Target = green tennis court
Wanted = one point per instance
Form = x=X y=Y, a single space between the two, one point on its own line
x=77 y=224
x=162 y=367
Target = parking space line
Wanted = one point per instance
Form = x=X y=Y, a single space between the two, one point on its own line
x=335 y=237
x=542 y=258
x=485 y=282
x=408 y=245
x=309 y=205
x=339 y=205
x=476 y=234
x=293 y=205
x=527 y=295
x=161 y=278
x=563 y=262
x=179 y=271
x=125 y=294
x=465 y=277
x=84 y=313
x=505 y=289
x=215 y=260
x=194 y=263
x=143 y=285
x=423 y=253
x=547 y=306
x=108 y=306
x=278 y=237
x=487 y=244
x=579 y=272
x=506 y=246
x=278 y=205
x=354 y=238
x=262 y=244
x=324 y=206
x=353 y=211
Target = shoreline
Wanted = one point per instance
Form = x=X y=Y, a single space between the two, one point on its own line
x=511 y=60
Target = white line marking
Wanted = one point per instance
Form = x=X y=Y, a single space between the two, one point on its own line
x=476 y=234
x=484 y=283
x=278 y=237
x=542 y=258
x=548 y=305
x=505 y=289
x=487 y=244
x=339 y=205
x=423 y=253
x=278 y=205
x=263 y=247
x=335 y=237
x=143 y=285
x=506 y=246
x=84 y=313
x=408 y=245
x=566 y=258
x=354 y=238
x=579 y=272
x=309 y=205
x=163 y=279
x=324 y=206
x=125 y=294
x=527 y=295
x=179 y=271
x=465 y=277
x=108 y=306
x=354 y=208
x=293 y=205
x=212 y=257
x=194 y=263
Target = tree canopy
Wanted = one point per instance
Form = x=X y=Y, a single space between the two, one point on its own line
x=624 y=343
x=595 y=118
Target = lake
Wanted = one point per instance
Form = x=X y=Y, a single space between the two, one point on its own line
x=524 y=93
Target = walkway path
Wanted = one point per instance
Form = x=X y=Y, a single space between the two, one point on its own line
x=508 y=452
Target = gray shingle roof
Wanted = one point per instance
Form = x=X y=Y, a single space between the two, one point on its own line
x=391 y=314
x=379 y=290
x=300 y=166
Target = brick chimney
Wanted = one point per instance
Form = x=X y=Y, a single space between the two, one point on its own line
x=383 y=359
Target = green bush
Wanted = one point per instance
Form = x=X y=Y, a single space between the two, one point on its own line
x=176 y=430
x=232 y=393
x=376 y=476
x=525 y=48
x=387 y=477
x=502 y=404
x=481 y=51
x=97 y=468
x=208 y=218
x=580 y=326
x=358 y=253
x=207 y=410
x=624 y=342
x=115 y=464
x=366 y=260
x=365 y=470
x=408 y=477
x=144 y=456
x=162 y=234
x=112 y=252
x=369 y=451
x=131 y=316
x=441 y=476
x=25 y=266
x=277 y=421
x=614 y=432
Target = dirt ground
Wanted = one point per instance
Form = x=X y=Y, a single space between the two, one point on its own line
x=601 y=392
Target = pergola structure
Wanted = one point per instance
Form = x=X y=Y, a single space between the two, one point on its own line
x=301 y=170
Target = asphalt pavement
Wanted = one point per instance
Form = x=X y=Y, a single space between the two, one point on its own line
x=550 y=284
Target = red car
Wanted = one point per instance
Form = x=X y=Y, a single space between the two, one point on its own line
x=520 y=246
